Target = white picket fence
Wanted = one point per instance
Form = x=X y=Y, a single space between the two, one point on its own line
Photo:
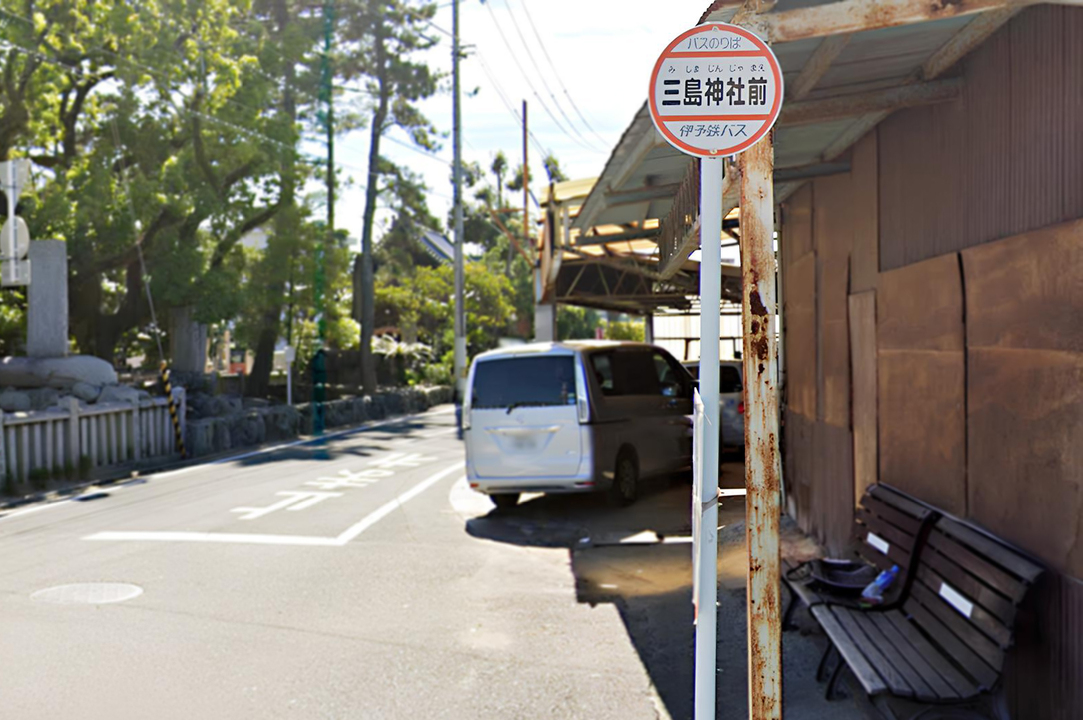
x=71 y=441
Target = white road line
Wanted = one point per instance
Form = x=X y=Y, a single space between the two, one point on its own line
x=391 y=506
x=244 y=456
x=350 y=534
x=216 y=538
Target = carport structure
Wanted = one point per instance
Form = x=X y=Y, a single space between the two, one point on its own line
x=926 y=168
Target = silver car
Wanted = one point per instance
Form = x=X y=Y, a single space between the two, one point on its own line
x=731 y=401
x=575 y=417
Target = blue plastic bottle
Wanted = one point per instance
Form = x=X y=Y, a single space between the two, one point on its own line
x=873 y=594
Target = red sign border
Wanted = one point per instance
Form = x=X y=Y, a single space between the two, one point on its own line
x=765 y=52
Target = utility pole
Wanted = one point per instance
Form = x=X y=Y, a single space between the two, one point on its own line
x=457 y=175
x=526 y=180
x=319 y=367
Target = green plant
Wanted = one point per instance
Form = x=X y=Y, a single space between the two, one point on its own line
x=39 y=478
x=631 y=330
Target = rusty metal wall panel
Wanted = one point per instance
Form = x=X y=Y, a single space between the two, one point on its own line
x=797 y=225
x=832 y=506
x=798 y=461
x=989 y=167
x=1043 y=671
x=832 y=232
x=1073 y=112
x=923 y=425
x=864 y=208
x=1026 y=292
x=921 y=379
x=921 y=307
x=1025 y=426
x=1025 y=390
x=800 y=318
x=1038 y=122
x=863 y=354
x=1005 y=159
x=922 y=187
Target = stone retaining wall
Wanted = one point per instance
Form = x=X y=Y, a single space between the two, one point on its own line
x=240 y=428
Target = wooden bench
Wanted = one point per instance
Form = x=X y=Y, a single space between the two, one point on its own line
x=946 y=644
x=888 y=528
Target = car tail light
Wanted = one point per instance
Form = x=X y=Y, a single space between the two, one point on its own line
x=581 y=398
x=741 y=407
x=464 y=418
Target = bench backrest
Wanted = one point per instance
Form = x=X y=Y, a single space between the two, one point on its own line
x=889 y=528
x=965 y=593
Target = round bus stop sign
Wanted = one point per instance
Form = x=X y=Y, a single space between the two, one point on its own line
x=716 y=90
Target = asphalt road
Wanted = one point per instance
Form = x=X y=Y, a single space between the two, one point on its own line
x=317 y=581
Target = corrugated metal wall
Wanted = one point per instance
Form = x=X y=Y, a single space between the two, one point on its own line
x=995 y=435
x=1001 y=161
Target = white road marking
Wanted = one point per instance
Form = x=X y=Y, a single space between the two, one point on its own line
x=293 y=501
x=402 y=460
x=348 y=535
x=47 y=505
x=350 y=479
x=243 y=538
x=389 y=507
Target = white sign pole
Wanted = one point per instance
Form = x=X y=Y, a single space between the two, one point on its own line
x=290 y=354
x=716 y=90
x=710 y=290
x=9 y=245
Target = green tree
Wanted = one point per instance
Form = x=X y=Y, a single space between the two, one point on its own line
x=499 y=168
x=383 y=40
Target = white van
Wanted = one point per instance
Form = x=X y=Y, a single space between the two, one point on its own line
x=575 y=417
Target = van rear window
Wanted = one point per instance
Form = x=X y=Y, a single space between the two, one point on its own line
x=525 y=382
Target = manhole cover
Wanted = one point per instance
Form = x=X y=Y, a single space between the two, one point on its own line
x=88 y=593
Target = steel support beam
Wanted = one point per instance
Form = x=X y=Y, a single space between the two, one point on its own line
x=896 y=98
x=640 y=194
x=585 y=240
x=851 y=16
x=762 y=467
x=730 y=190
x=817 y=66
x=974 y=34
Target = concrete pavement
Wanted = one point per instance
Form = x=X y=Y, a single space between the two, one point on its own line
x=328 y=581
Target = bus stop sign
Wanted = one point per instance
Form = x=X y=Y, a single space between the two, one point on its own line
x=716 y=90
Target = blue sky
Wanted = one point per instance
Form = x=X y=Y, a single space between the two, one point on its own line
x=603 y=52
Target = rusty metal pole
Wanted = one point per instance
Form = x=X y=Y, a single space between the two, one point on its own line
x=762 y=470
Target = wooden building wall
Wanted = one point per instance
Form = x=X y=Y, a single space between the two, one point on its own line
x=934 y=328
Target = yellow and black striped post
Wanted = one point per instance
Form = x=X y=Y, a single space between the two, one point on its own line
x=173 y=409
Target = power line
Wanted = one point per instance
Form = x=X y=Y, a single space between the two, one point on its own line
x=537 y=144
x=541 y=74
x=556 y=74
x=526 y=77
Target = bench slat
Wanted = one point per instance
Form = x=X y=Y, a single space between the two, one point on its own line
x=895 y=556
x=966 y=558
x=885 y=530
x=859 y=665
x=982 y=665
x=1001 y=554
x=993 y=613
x=907 y=523
x=892 y=653
x=937 y=663
x=895 y=498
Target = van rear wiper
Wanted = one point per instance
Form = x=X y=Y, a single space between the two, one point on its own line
x=516 y=405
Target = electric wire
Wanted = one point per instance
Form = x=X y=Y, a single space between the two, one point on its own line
x=530 y=84
x=556 y=74
x=541 y=74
